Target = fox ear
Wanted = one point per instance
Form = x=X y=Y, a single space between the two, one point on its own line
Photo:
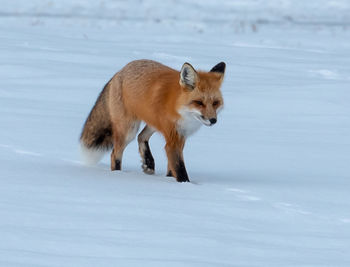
x=220 y=68
x=188 y=76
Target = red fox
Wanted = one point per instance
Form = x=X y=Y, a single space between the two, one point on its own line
x=173 y=103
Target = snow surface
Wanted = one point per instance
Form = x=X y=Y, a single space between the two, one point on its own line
x=270 y=181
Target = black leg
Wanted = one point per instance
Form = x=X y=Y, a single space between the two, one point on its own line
x=181 y=173
x=145 y=152
x=117 y=165
x=148 y=160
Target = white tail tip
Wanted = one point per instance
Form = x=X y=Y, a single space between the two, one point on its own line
x=91 y=156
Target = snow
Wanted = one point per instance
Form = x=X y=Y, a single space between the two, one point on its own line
x=270 y=181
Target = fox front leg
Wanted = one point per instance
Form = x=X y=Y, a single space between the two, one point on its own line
x=176 y=165
x=145 y=151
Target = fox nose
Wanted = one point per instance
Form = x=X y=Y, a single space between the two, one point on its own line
x=213 y=120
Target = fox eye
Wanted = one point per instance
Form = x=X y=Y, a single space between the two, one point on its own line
x=216 y=103
x=198 y=103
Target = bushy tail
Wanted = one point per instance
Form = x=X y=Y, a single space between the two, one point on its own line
x=96 y=136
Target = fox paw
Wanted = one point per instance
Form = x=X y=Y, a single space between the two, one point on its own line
x=147 y=169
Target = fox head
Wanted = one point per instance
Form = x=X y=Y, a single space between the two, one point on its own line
x=201 y=96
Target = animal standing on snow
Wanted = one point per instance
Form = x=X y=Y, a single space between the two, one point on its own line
x=174 y=103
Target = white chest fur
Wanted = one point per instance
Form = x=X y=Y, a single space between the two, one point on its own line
x=188 y=124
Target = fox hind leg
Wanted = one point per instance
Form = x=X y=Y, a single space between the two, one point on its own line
x=119 y=145
x=121 y=138
x=145 y=151
x=116 y=157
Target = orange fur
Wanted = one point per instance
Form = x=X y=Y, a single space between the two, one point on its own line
x=167 y=100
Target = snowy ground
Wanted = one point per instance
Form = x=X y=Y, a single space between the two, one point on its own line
x=270 y=182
